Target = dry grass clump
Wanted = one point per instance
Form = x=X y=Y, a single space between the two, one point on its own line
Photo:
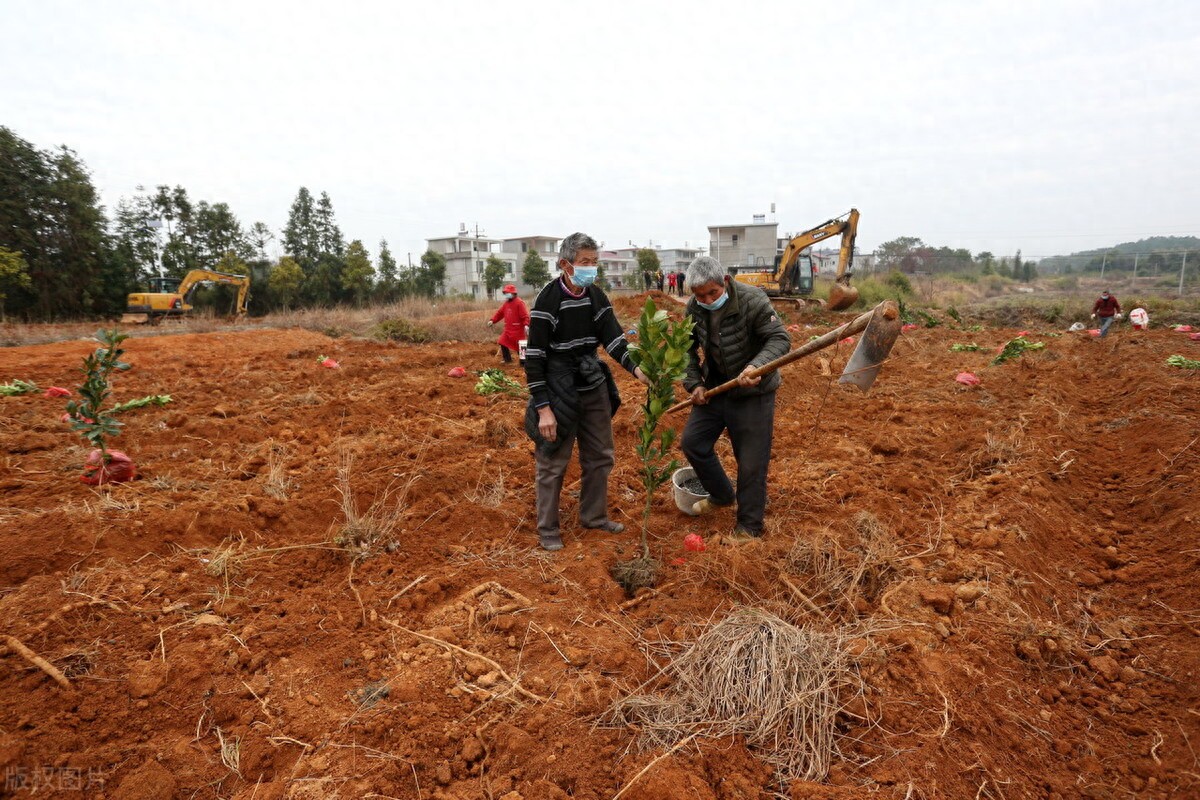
x=836 y=575
x=363 y=533
x=278 y=483
x=755 y=676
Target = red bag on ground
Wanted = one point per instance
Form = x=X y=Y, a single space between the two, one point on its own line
x=329 y=363
x=457 y=372
x=120 y=468
x=57 y=391
x=1023 y=333
x=1195 y=337
x=967 y=379
x=911 y=326
x=1183 y=328
x=694 y=542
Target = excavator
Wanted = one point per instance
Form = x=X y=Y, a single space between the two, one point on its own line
x=169 y=298
x=792 y=279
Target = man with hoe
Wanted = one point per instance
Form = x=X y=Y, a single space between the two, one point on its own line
x=572 y=393
x=735 y=331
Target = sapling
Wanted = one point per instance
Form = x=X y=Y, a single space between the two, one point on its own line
x=661 y=352
x=88 y=416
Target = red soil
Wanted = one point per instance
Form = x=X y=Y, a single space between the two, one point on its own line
x=1035 y=634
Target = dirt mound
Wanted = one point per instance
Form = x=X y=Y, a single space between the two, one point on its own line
x=1022 y=592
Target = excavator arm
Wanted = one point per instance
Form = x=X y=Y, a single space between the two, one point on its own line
x=846 y=225
x=198 y=276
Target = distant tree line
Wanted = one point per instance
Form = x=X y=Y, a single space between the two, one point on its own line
x=908 y=255
x=62 y=256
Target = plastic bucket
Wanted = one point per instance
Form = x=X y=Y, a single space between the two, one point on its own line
x=684 y=499
x=521 y=345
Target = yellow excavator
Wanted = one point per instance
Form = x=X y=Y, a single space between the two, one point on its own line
x=169 y=298
x=792 y=279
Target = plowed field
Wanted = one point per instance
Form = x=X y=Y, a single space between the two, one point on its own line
x=1013 y=567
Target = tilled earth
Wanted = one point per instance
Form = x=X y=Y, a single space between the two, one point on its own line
x=1021 y=610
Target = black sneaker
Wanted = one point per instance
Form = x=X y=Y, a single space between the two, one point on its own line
x=610 y=526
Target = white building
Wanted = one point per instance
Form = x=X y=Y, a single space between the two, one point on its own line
x=744 y=246
x=467 y=255
x=620 y=268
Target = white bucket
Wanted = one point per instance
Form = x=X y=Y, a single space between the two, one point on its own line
x=684 y=499
x=521 y=345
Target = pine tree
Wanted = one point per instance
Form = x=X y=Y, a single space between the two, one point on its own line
x=301 y=237
x=387 y=287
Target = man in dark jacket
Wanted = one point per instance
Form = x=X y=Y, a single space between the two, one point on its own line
x=1107 y=309
x=572 y=393
x=735 y=331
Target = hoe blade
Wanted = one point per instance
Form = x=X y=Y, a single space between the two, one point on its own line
x=873 y=347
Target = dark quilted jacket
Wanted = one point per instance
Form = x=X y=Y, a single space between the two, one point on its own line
x=751 y=333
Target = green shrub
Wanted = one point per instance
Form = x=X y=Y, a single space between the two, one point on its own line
x=400 y=330
x=899 y=281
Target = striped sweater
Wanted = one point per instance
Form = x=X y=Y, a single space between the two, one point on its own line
x=562 y=325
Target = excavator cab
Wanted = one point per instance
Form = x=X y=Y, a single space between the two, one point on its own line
x=802 y=276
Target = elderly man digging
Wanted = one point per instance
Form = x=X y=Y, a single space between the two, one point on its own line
x=572 y=393
x=735 y=331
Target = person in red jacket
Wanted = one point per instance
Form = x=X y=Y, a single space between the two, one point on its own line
x=516 y=322
x=1107 y=309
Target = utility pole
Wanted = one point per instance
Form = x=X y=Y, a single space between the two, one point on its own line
x=1182 y=267
x=1102 y=265
x=1135 y=262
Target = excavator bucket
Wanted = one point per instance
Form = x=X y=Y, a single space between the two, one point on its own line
x=873 y=346
x=842 y=297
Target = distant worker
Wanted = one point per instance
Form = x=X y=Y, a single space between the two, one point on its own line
x=572 y=392
x=659 y=277
x=679 y=280
x=671 y=278
x=1107 y=308
x=735 y=331
x=516 y=322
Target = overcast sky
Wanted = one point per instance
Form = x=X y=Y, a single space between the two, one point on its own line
x=1045 y=126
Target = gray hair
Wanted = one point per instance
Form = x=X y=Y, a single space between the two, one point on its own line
x=573 y=244
x=702 y=270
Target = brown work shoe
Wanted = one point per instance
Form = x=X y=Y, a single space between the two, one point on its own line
x=702 y=507
x=742 y=535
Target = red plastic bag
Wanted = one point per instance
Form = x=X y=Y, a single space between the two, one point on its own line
x=1183 y=328
x=329 y=363
x=1094 y=331
x=120 y=468
x=911 y=326
x=1023 y=333
x=848 y=340
x=457 y=372
x=695 y=543
x=967 y=379
x=1195 y=337
x=67 y=418
x=57 y=391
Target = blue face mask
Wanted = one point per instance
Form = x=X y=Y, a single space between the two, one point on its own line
x=584 y=277
x=715 y=304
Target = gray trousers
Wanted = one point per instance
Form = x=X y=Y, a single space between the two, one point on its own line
x=750 y=422
x=595 y=438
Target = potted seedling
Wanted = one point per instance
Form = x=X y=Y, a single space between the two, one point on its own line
x=661 y=352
